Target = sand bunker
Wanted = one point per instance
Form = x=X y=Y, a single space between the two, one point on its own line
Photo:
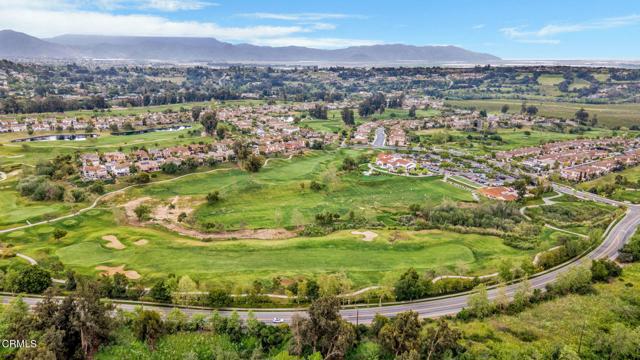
x=111 y=270
x=366 y=235
x=114 y=243
x=141 y=242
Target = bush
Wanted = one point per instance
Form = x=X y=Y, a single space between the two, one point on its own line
x=29 y=279
x=603 y=270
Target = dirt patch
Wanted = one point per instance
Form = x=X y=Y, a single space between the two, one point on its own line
x=112 y=270
x=131 y=206
x=366 y=235
x=257 y=234
x=114 y=243
x=141 y=242
x=168 y=213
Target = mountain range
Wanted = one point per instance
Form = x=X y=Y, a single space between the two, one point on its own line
x=180 y=49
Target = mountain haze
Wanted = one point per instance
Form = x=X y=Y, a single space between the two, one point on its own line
x=19 y=45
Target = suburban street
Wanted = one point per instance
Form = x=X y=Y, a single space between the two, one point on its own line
x=435 y=307
x=380 y=138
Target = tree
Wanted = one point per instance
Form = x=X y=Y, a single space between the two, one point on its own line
x=401 y=334
x=213 y=197
x=532 y=110
x=410 y=286
x=91 y=318
x=147 y=326
x=604 y=269
x=521 y=188
x=195 y=113
x=479 y=303
x=441 y=340
x=59 y=234
x=209 y=121
x=582 y=116
x=160 y=291
x=219 y=297
x=323 y=331
x=504 y=109
x=348 y=117
x=254 y=163
x=143 y=212
x=349 y=164
x=412 y=111
x=319 y=111
x=30 y=279
x=185 y=290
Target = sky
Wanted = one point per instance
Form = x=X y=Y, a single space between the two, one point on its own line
x=544 y=29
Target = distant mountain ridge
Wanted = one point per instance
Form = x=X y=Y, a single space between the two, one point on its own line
x=19 y=45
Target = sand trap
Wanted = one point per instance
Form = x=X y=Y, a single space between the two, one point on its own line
x=114 y=243
x=111 y=270
x=366 y=235
x=141 y=242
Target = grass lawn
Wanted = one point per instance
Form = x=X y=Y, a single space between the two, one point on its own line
x=608 y=114
x=274 y=197
x=567 y=321
x=17 y=210
x=632 y=174
x=573 y=214
x=243 y=261
x=513 y=138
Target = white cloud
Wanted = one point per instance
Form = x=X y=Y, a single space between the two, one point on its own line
x=543 y=34
x=160 y=5
x=57 y=17
x=45 y=23
x=300 y=16
x=175 y=5
x=478 y=27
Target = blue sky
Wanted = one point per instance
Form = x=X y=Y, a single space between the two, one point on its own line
x=543 y=29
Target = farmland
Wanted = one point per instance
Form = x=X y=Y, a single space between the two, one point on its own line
x=610 y=115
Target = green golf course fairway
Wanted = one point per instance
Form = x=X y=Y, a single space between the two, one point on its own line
x=242 y=261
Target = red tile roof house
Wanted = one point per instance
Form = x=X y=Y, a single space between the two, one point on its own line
x=394 y=162
x=500 y=193
x=148 y=166
x=94 y=172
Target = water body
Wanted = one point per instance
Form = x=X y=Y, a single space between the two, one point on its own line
x=144 y=131
x=58 y=137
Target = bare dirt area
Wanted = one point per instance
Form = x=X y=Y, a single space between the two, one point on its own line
x=114 y=243
x=366 y=235
x=167 y=216
x=258 y=234
x=131 y=206
x=112 y=270
x=141 y=242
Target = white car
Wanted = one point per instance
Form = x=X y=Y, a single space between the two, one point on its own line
x=277 y=320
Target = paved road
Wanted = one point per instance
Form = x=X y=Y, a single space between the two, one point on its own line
x=616 y=237
x=380 y=138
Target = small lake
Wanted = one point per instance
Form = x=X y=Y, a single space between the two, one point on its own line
x=144 y=131
x=58 y=137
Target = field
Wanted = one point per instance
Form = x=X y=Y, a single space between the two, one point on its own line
x=609 y=115
x=242 y=261
x=623 y=194
x=511 y=138
x=573 y=214
x=269 y=199
x=574 y=321
x=274 y=197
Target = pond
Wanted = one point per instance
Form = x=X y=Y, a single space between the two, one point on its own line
x=144 y=131
x=58 y=137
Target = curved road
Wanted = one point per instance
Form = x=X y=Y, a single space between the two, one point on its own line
x=616 y=237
